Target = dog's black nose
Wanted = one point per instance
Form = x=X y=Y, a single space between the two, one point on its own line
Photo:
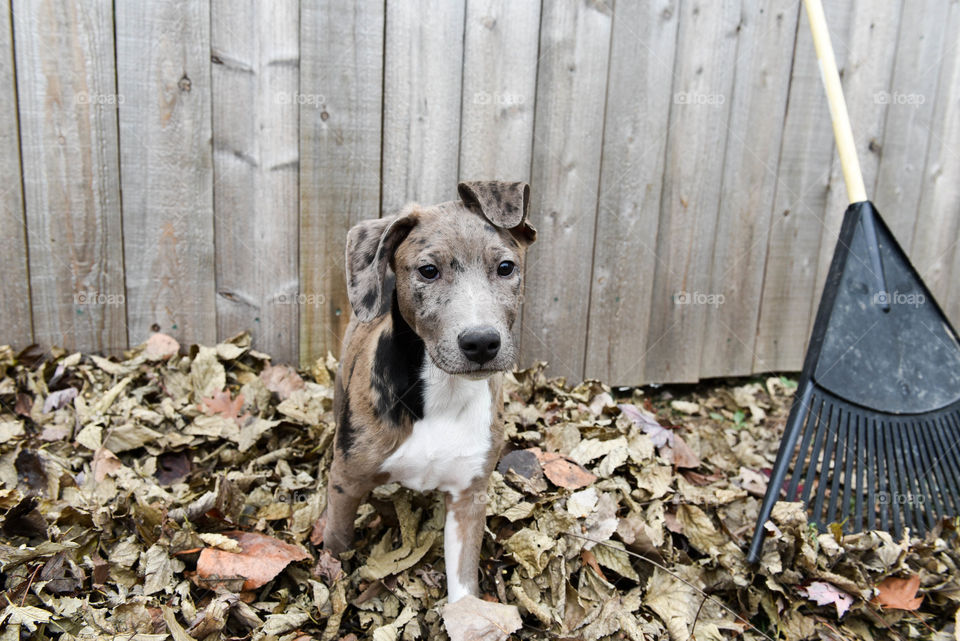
x=479 y=344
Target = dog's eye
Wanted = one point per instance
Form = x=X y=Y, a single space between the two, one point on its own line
x=430 y=272
x=505 y=268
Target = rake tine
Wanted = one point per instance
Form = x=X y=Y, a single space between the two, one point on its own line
x=808 y=427
x=885 y=480
x=830 y=437
x=815 y=454
x=924 y=510
x=843 y=418
x=871 y=432
x=850 y=455
x=948 y=487
x=896 y=465
x=929 y=501
x=798 y=415
x=858 y=463
x=949 y=464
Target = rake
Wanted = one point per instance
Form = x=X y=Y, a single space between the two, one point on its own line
x=873 y=435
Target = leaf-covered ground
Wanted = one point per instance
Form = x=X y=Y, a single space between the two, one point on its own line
x=173 y=495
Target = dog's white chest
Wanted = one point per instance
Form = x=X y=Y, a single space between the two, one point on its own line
x=449 y=446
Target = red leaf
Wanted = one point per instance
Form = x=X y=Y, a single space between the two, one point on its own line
x=899 y=594
x=221 y=403
x=562 y=471
x=261 y=559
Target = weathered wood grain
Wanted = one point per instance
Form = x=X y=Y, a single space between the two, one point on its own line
x=499 y=89
x=68 y=132
x=255 y=79
x=341 y=61
x=15 y=283
x=423 y=66
x=911 y=99
x=764 y=58
x=163 y=76
x=703 y=83
x=634 y=145
x=937 y=230
x=806 y=154
x=571 y=85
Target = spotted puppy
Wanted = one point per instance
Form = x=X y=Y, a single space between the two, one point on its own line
x=435 y=292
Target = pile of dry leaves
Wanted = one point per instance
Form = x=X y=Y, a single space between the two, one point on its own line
x=175 y=496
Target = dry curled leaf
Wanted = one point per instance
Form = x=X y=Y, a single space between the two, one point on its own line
x=283 y=380
x=473 y=619
x=160 y=347
x=261 y=559
x=562 y=471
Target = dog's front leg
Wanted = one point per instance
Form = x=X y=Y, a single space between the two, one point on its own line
x=462 y=536
x=343 y=499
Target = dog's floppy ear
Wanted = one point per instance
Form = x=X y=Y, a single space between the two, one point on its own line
x=370 y=246
x=505 y=204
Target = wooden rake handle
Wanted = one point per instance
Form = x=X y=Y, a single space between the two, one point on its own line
x=842 y=132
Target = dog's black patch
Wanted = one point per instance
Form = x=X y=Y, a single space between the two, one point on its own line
x=338 y=488
x=456 y=266
x=369 y=299
x=396 y=371
x=345 y=430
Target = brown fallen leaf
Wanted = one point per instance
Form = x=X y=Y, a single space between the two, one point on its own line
x=899 y=594
x=562 y=471
x=105 y=463
x=281 y=379
x=160 y=347
x=680 y=454
x=473 y=619
x=263 y=557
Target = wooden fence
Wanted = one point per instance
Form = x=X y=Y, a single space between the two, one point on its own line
x=193 y=166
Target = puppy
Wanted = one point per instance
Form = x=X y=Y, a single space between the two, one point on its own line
x=435 y=293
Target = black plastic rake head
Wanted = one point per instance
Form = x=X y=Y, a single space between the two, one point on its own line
x=873 y=437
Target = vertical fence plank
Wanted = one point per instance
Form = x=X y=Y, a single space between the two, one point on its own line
x=499 y=88
x=571 y=88
x=634 y=146
x=255 y=79
x=758 y=105
x=806 y=154
x=15 y=284
x=341 y=57
x=937 y=229
x=911 y=100
x=163 y=76
x=870 y=49
x=703 y=81
x=423 y=68
x=68 y=129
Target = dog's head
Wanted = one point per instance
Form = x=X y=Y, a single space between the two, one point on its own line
x=457 y=270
